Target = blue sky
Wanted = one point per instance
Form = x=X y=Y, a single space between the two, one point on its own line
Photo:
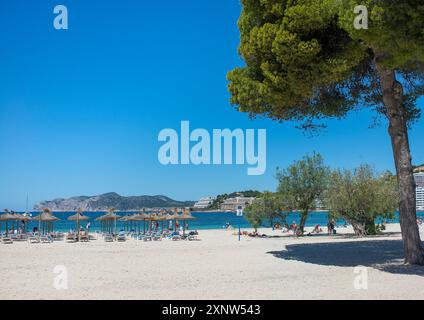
x=80 y=110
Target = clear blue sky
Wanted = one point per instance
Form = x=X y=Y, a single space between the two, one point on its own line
x=80 y=110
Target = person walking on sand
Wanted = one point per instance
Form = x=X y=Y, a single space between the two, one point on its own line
x=293 y=227
x=330 y=226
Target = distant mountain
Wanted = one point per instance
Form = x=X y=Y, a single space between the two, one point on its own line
x=111 y=200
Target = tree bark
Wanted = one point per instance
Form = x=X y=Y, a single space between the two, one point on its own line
x=303 y=217
x=392 y=91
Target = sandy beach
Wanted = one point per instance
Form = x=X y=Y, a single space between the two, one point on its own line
x=216 y=267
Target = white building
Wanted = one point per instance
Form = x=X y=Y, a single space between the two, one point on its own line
x=203 y=203
x=233 y=204
x=419 y=181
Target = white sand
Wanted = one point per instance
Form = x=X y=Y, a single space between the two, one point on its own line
x=217 y=267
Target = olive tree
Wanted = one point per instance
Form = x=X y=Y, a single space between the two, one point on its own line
x=302 y=184
x=361 y=196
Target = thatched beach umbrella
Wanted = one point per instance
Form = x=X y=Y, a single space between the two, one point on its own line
x=111 y=216
x=173 y=217
x=45 y=219
x=7 y=216
x=169 y=217
x=148 y=218
x=156 y=217
x=162 y=217
x=125 y=220
x=137 y=218
x=145 y=217
x=132 y=219
x=128 y=221
x=25 y=218
x=77 y=218
x=186 y=216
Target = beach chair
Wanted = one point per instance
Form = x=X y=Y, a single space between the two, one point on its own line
x=6 y=240
x=121 y=237
x=59 y=236
x=33 y=238
x=108 y=237
x=71 y=237
x=84 y=237
x=46 y=239
x=20 y=237
x=192 y=236
x=175 y=236
x=147 y=237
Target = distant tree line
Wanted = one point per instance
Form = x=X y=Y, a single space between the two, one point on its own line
x=358 y=196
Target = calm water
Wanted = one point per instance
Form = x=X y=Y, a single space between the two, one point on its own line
x=213 y=220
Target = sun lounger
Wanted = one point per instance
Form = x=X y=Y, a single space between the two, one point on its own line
x=33 y=239
x=157 y=237
x=147 y=237
x=85 y=237
x=6 y=240
x=175 y=236
x=58 y=236
x=192 y=236
x=108 y=237
x=70 y=237
x=121 y=237
x=20 y=237
x=46 y=239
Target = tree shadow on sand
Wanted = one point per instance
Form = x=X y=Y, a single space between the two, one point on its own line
x=384 y=255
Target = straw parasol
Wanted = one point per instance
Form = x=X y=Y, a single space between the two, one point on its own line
x=22 y=218
x=109 y=217
x=186 y=216
x=25 y=218
x=144 y=216
x=78 y=217
x=162 y=217
x=128 y=219
x=46 y=217
x=155 y=216
x=170 y=217
x=174 y=216
x=7 y=216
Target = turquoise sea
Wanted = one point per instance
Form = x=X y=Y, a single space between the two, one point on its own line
x=210 y=220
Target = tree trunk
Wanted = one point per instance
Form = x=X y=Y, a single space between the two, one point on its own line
x=392 y=97
x=303 y=217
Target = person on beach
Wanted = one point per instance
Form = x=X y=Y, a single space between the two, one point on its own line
x=293 y=227
x=330 y=226
x=317 y=229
